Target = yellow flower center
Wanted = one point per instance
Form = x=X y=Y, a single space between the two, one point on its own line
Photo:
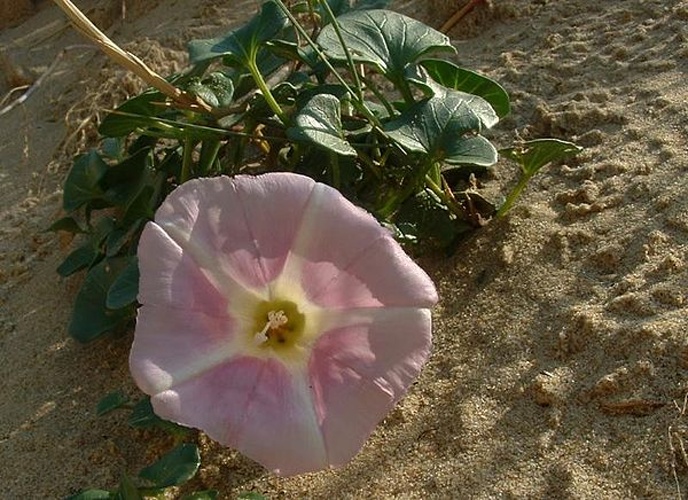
x=278 y=325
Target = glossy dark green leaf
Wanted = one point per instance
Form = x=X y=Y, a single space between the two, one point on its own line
x=164 y=128
x=67 y=224
x=125 y=288
x=110 y=402
x=339 y=7
x=445 y=129
x=216 y=89
x=288 y=49
x=78 y=259
x=143 y=415
x=141 y=207
x=387 y=40
x=250 y=495
x=117 y=241
x=120 y=122
x=123 y=182
x=174 y=468
x=90 y=317
x=424 y=217
x=454 y=77
x=112 y=148
x=82 y=184
x=92 y=494
x=127 y=490
x=319 y=122
x=202 y=495
x=535 y=154
x=242 y=44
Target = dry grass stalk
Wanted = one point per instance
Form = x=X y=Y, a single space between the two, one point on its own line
x=128 y=60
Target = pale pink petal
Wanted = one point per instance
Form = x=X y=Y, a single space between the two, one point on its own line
x=246 y=224
x=258 y=407
x=343 y=257
x=358 y=372
x=172 y=278
x=273 y=206
x=381 y=276
x=173 y=345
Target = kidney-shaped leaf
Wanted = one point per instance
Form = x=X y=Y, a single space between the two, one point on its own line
x=446 y=129
x=217 y=89
x=90 y=317
x=242 y=44
x=124 y=289
x=319 y=122
x=454 y=77
x=82 y=184
x=175 y=467
x=535 y=154
x=386 y=39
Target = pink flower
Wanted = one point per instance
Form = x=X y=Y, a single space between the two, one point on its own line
x=278 y=318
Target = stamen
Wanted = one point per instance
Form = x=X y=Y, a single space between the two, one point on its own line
x=275 y=320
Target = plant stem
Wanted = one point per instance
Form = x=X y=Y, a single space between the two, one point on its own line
x=385 y=102
x=336 y=174
x=451 y=204
x=209 y=150
x=349 y=60
x=513 y=195
x=403 y=87
x=263 y=87
x=360 y=105
x=187 y=160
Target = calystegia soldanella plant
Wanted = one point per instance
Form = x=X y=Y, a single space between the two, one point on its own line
x=249 y=214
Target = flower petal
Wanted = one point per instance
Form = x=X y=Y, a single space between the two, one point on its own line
x=398 y=281
x=359 y=371
x=343 y=257
x=245 y=224
x=255 y=406
x=172 y=278
x=174 y=345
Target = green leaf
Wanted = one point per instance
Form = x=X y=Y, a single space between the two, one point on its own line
x=340 y=7
x=216 y=89
x=112 y=148
x=387 y=40
x=454 y=77
x=535 y=154
x=319 y=122
x=202 y=495
x=82 y=184
x=127 y=490
x=123 y=182
x=143 y=415
x=445 y=129
x=243 y=43
x=175 y=467
x=251 y=495
x=90 y=317
x=119 y=123
x=425 y=218
x=125 y=288
x=67 y=224
x=170 y=129
x=77 y=260
x=92 y=495
x=112 y=401
x=141 y=207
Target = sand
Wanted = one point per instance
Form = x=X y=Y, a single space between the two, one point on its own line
x=560 y=359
